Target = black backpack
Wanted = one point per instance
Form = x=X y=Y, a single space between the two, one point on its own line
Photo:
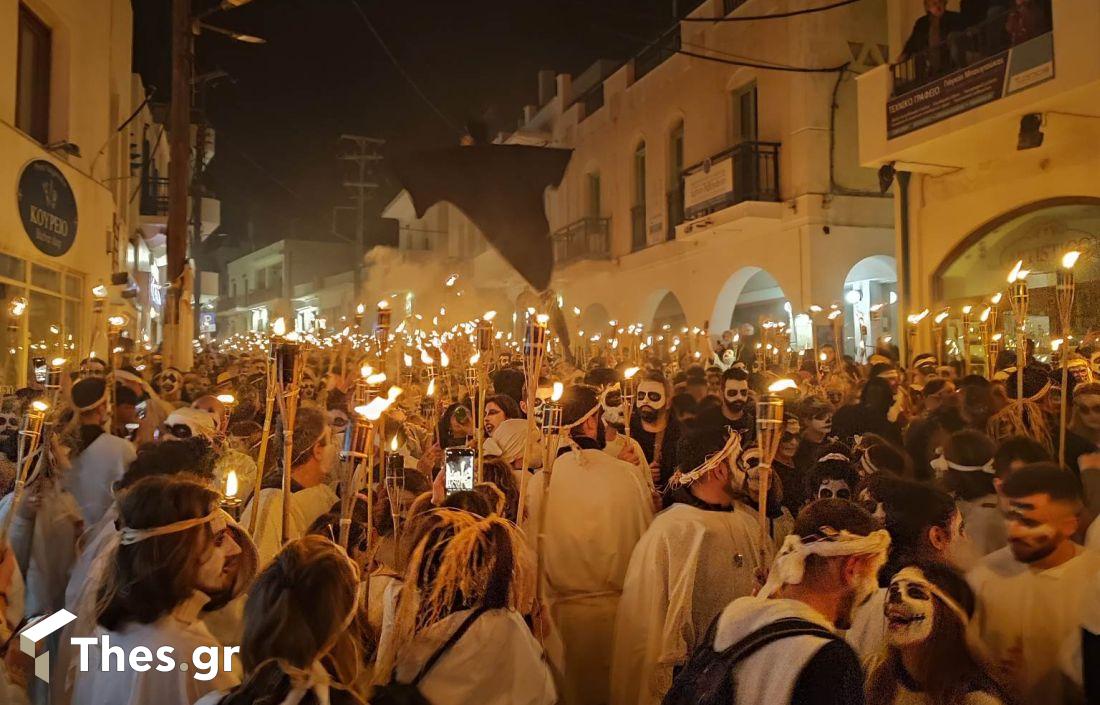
x=707 y=678
x=395 y=693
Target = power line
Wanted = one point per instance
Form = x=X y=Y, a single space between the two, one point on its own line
x=401 y=69
x=259 y=167
x=776 y=16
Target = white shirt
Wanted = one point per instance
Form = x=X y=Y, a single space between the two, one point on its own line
x=94 y=473
x=1037 y=612
x=306 y=506
x=687 y=567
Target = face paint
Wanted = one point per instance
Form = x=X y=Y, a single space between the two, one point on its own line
x=1088 y=410
x=611 y=402
x=872 y=505
x=832 y=488
x=735 y=395
x=494 y=416
x=728 y=358
x=650 y=400
x=909 y=611
x=822 y=423
x=216 y=571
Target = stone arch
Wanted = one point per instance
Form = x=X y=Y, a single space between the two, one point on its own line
x=869 y=283
x=594 y=319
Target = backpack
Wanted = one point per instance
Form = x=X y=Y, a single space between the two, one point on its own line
x=396 y=693
x=707 y=677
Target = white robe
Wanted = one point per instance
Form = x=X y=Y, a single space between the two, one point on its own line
x=868 y=633
x=496 y=662
x=614 y=447
x=596 y=511
x=305 y=508
x=1038 y=611
x=94 y=472
x=688 y=566
x=183 y=632
x=985 y=523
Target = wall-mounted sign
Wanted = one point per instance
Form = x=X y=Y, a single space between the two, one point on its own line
x=708 y=188
x=47 y=207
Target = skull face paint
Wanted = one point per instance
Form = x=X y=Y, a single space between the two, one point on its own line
x=308 y=386
x=832 y=488
x=650 y=399
x=611 y=401
x=909 y=611
x=735 y=395
x=168 y=382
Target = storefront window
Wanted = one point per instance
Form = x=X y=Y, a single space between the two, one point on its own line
x=1039 y=238
x=12 y=268
x=46 y=278
x=51 y=324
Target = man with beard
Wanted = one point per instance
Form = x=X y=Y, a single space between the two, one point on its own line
x=781 y=644
x=1030 y=593
x=98 y=458
x=699 y=554
x=654 y=427
x=586 y=524
x=736 y=413
x=313 y=458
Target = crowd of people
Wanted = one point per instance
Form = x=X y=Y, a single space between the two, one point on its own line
x=921 y=536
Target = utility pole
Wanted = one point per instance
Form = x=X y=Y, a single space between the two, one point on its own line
x=179 y=167
x=363 y=152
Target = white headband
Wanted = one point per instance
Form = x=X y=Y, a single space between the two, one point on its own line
x=790 y=563
x=834 y=456
x=867 y=465
x=729 y=452
x=913 y=574
x=987 y=467
x=128 y=536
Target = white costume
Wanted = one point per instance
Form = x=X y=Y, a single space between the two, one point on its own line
x=615 y=447
x=183 y=631
x=95 y=471
x=1035 y=613
x=596 y=511
x=689 y=565
x=496 y=662
x=306 y=506
x=868 y=632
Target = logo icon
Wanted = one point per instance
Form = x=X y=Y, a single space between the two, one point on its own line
x=32 y=640
x=49 y=192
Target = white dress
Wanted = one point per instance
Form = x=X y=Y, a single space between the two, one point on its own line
x=496 y=662
x=183 y=632
x=596 y=511
x=1036 y=613
x=688 y=566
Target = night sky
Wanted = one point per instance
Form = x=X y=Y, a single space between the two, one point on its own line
x=322 y=73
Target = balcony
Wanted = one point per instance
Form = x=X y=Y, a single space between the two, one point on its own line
x=154 y=197
x=592 y=99
x=747 y=172
x=637 y=228
x=657 y=53
x=587 y=238
x=674 y=200
x=945 y=107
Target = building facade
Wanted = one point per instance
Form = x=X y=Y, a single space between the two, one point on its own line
x=65 y=174
x=995 y=142
x=307 y=283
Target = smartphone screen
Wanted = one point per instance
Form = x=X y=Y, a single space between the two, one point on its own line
x=41 y=372
x=458 y=464
x=140 y=408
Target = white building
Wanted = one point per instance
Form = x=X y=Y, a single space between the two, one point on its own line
x=66 y=214
x=701 y=192
x=303 y=281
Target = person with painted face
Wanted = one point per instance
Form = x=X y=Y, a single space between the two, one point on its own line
x=736 y=413
x=700 y=553
x=653 y=425
x=228 y=459
x=169 y=385
x=816 y=419
x=825 y=569
x=499 y=408
x=929 y=660
x=593 y=515
x=1030 y=593
x=1083 y=431
x=313 y=461
x=924 y=525
x=833 y=475
x=177 y=559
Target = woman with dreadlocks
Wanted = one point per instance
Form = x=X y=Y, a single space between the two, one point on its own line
x=459 y=637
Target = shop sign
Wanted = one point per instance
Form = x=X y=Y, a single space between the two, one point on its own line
x=47 y=207
x=993 y=78
x=708 y=188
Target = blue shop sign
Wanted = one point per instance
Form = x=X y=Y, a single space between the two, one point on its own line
x=47 y=207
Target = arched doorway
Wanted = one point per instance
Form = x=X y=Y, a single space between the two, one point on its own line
x=669 y=313
x=870 y=304
x=1038 y=234
x=752 y=295
x=594 y=320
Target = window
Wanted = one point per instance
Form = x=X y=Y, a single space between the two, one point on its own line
x=744 y=114
x=275 y=275
x=637 y=213
x=32 y=103
x=675 y=190
x=593 y=206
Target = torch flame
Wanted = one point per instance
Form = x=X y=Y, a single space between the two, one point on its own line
x=782 y=385
x=360 y=309
x=985 y=313
x=431 y=387
x=408 y=360
x=559 y=389
x=996 y=298
x=376 y=379
x=227 y=399
x=425 y=357
x=393 y=444
x=475 y=358
x=967 y=309
x=542 y=319
x=835 y=314
x=443 y=359
x=366 y=371
x=383 y=305
x=630 y=372
x=451 y=280
x=941 y=316
x=393 y=393
x=231 y=484
x=488 y=315
x=279 y=327
x=1070 y=258
x=1017 y=272
x=39 y=405
x=58 y=362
